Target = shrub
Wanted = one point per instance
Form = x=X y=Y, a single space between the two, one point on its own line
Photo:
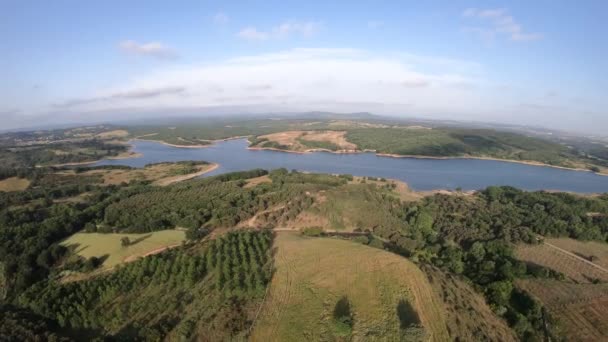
x=312 y=231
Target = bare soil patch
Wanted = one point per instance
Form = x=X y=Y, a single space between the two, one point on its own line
x=14 y=184
x=290 y=139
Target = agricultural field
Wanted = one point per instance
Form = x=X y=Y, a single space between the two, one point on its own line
x=576 y=268
x=109 y=245
x=590 y=250
x=581 y=310
x=469 y=317
x=14 y=184
x=389 y=296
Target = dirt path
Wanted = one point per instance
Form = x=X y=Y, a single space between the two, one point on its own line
x=577 y=257
x=156 y=251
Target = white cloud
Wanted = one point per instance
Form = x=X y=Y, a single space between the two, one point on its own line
x=252 y=34
x=220 y=18
x=154 y=49
x=297 y=79
x=375 y=24
x=500 y=23
x=284 y=30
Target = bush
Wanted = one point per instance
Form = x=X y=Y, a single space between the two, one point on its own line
x=361 y=239
x=376 y=243
x=312 y=231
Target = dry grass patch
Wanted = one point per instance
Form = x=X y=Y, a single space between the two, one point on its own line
x=100 y=245
x=14 y=184
x=334 y=137
x=579 y=271
x=117 y=133
x=313 y=274
x=581 y=310
x=160 y=174
x=252 y=182
x=296 y=140
x=469 y=317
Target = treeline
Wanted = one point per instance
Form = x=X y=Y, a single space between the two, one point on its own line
x=171 y=293
x=473 y=236
x=32 y=224
x=58 y=153
x=450 y=142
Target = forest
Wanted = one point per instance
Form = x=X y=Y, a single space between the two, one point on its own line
x=57 y=153
x=474 y=237
x=181 y=293
x=222 y=278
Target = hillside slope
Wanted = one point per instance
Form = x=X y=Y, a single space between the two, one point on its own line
x=388 y=293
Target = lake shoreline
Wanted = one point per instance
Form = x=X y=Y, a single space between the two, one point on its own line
x=392 y=155
x=125 y=155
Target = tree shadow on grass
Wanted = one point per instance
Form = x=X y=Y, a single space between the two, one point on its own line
x=139 y=239
x=343 y=317
x=407 y=315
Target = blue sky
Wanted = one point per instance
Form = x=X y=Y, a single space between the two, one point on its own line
x=528 y=62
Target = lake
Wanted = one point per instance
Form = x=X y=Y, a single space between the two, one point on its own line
x=420 y=174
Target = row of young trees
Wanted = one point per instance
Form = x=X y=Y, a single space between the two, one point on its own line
x=241 y=262
x=81 y=304
x=152 y=296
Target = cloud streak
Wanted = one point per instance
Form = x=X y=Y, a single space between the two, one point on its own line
x=152 y=49
x=133 y=94
x=500 y=23
x=284 y=30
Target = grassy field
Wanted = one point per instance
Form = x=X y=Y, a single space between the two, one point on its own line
x=575 y=269
x=581 y=310
x=99 y=245
x=354 y=206
x=14 y=184
x=313 y=274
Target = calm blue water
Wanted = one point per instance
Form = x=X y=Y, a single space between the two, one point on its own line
x=420 y=174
